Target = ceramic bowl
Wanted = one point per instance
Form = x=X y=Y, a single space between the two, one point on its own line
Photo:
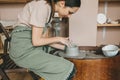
x=110 y=50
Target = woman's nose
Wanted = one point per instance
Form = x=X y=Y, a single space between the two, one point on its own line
x=69 y=16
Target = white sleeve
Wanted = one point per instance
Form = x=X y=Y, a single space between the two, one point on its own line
x=38 y=15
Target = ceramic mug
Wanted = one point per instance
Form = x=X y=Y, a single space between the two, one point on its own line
x=72 y=51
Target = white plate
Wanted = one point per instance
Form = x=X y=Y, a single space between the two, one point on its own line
x=101 y=18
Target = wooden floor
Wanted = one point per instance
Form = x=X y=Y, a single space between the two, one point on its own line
x=19 y=76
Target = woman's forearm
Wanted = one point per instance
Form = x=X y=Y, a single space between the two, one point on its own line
x=58 y=46
x=39 y=40
x=45 y=41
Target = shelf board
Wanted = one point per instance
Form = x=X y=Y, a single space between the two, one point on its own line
x=108 y=25
x=13 y=1
x=109 y=0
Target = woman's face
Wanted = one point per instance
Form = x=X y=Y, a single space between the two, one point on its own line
x=67 y=11
x=63 y=10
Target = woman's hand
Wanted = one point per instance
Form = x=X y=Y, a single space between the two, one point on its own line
x=64 y=41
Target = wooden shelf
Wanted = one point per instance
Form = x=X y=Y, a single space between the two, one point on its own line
x=109 y=0
x=108 y=25
x=14 y=1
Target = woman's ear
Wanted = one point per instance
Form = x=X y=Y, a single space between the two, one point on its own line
x=61 y=3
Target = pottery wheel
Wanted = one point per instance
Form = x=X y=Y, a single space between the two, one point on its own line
x=82 y=55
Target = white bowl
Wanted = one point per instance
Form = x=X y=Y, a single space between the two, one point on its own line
x=110 y=50
x=114 y=22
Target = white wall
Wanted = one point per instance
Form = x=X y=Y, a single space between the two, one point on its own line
x=83 y=28
x=10 y=11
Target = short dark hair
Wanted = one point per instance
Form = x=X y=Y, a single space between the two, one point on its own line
x=68 y=3
x=73 y=3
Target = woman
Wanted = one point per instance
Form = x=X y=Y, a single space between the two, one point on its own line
x=28 y=39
